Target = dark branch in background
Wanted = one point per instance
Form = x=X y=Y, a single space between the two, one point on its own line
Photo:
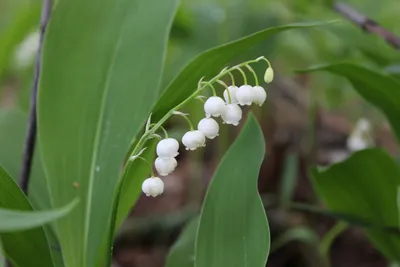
x=367 y=24
x=30 y=138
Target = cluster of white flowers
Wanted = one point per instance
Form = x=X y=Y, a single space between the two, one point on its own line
x=230 y=112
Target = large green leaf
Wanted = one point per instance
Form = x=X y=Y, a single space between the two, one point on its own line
x=206 y=64
x=379 y=89
x=12 y=135
x=102 y=63
x=25 y=248
x=211 y=62
x=365 y=185
x=233 y=228
x=12 y=221
x=131 y=187
x=182 y=252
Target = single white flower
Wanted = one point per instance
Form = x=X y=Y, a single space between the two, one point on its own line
x=232 y=114
x=360 y=137
x=259 y=95
x=165 y=166
x=209 y=127
x=214 y=106
x=26 y=51
x=168 y=148
x=245 y=95
x=193 y=139
x=269 y=75
x=153 y=186
x=232 y=92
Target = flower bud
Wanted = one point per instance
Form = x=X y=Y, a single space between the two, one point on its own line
x=214 y=106
x=232 y=114
x=153 y=186
x=269 y=75
x=259 y=95
x=232 y=92
x=193 y=140
x=245 y=95
x=165 y=166
x=168 y=148
x=209 y=127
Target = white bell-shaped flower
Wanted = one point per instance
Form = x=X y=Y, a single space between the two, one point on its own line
x=193 y=139
x=232 y=114
x=259 y=95
x=209 y=127
x=269 y=75
x=232 y=92
x=245 y=95
x=360 y=138
x=168 y=148
x=153 y=186
x=214 y=106
x=165 y=166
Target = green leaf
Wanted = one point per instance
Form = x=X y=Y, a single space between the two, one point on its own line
x=11 y=220
x=12 y=136
x=131 y=187
x=182 y=252
x=106 y=67
x=211 y=62
x=365 y=186
x=26 y=248
x=379 y=89
x=233 y=228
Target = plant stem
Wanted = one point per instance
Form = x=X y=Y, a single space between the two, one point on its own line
x=30 y=138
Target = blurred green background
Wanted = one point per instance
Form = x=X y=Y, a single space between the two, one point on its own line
x=306 y=122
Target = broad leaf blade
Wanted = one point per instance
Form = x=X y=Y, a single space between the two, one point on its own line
x=365 y=185
x=100 y=78
x=211 y=62
x=233 y=228
x=379 y=89
x=12 y=135
x=131 y=187
x=182 y=252
x=12 y=221
x=26 y=248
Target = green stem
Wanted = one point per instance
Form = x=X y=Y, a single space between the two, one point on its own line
x=227 y=89
x=212 y=87
x=232 y=78
x=162 y=128
x=187 y=119
x=263 y=58
x=243 y=74
x=329 y=237
x=254 y=74
x=148 y=165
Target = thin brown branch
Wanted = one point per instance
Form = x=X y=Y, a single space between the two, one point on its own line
x=367 y=24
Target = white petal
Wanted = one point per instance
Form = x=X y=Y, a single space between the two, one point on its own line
x=245 y=95
x=232 y=115
x=165 y=166
x=209 y=127
x=193 y=139
x=167 y=148
x=232 y=92
x=214 y=106
x=259 y=95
